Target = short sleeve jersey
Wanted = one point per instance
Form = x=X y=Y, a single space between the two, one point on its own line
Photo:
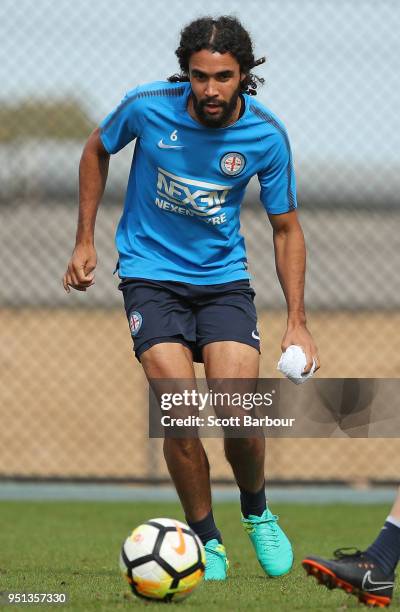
x=181 y=219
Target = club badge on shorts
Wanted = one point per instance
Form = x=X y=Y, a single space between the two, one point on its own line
x=232 y=164
x=135 y=322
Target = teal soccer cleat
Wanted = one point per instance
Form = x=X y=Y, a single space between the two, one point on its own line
x=216 y=561
x=273 y=549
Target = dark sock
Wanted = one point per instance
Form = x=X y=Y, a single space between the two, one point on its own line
x=206 y=528
x=253 y=503
x=386 y=548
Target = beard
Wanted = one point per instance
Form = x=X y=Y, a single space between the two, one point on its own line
x=223 y=117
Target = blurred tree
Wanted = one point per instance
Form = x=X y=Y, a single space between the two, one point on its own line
x=61 y=119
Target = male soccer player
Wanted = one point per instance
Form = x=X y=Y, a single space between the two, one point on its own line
x=200 y=137
x=367 y=574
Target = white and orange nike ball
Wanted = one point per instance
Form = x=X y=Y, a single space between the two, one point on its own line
x=163 y=559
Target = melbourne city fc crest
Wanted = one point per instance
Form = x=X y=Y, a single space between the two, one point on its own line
x=232 y=164
x=135 y=322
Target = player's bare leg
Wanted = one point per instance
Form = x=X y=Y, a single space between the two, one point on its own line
x=185 y=457
x=234 y=360
x=187 y=461
x=230 y=359
x=395 y=511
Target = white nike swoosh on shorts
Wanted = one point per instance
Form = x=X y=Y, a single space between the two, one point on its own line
x=254 y=335
x=161 y=145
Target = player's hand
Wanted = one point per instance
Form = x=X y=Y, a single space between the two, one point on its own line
x=80 y=270
x=299 y=335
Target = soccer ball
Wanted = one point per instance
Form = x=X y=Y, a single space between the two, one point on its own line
x=163 y=559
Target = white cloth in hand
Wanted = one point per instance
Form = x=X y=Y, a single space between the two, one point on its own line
x=292 y=363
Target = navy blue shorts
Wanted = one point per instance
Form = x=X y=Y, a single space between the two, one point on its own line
x=192 y=315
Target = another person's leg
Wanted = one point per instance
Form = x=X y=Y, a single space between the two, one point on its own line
x=386 y=548
x=369 y=574
x=235 y=360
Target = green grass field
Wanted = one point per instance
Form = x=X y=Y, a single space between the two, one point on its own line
x=74 y=547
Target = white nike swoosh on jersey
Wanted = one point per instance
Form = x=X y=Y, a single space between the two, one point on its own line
x=167 y=146
x=254 y=335
x=372 y=585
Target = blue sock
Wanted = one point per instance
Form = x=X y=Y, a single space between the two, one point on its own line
x=386 y=548
x=206 y=528
x=253 y=503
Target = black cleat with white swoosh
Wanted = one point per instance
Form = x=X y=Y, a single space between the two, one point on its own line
x=355 y=573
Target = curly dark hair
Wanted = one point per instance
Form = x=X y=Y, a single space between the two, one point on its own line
x=223 y=34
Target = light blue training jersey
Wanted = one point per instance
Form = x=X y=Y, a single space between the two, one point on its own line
x=187 y=181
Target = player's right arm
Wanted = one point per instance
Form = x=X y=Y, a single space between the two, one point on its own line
x=120 y=127
x=93 y=171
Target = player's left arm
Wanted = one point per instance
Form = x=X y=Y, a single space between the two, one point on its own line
x=290 y=260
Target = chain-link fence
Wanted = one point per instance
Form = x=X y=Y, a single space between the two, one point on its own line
x=73 y=398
